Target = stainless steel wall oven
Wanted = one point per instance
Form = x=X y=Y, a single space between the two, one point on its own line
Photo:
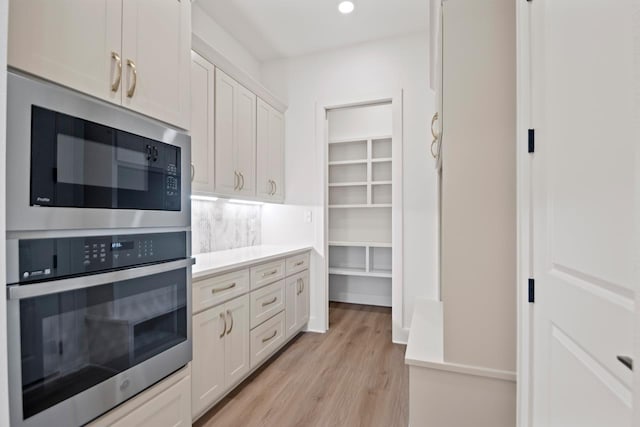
x=98 y=254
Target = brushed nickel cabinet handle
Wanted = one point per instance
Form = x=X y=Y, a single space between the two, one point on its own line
x=271 y=273
x=433 y=122
x=231 y=286
x=236 y=180
x=115 y=85
x=242 y=178
x=193 y=171
x=270 y=192
x=264 y=340
x=301 y=285
x=275 y=188
x=298 y=291
x=224 y=330
x=132 y=89
x=264 y=304
x=231 y=317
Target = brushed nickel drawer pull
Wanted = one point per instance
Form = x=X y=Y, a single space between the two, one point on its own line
x=271 y=273
x=224 y=330
x=264 y=340
x=231 y=286
x=231 y=317
x=115 y=85
x=298 y=264
x=132 y=89
x=264 y=304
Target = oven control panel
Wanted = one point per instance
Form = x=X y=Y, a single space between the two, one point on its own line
x=46 y=259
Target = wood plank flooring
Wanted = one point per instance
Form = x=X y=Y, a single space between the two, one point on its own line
x=351 y=376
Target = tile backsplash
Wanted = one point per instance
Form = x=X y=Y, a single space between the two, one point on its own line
x=220 y=225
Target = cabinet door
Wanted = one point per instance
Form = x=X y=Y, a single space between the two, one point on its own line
x=302 y=306
x=270 y=160
x=202 y=130
x=169 y=409
x=226 y=174
x=237 y=340
x=69 y=42
x=209 y=332
x=292 y=288
x=245 y=140
x=156 y=38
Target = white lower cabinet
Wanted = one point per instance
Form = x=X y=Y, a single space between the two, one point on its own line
x=233 y=338
x=220 y=351
x=167 y=404
x=297 y=302
x=266 y=338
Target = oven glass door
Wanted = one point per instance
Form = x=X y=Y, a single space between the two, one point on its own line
x=74 y=340
x=78 y=163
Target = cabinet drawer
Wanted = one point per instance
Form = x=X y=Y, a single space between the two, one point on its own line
x=267 y=273
x=216 y=290
x=266 y=302
x=266 y=338
x=298 y=263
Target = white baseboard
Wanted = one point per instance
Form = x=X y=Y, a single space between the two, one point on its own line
x=351 y=298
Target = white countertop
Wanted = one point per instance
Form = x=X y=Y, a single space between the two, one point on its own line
x=218 y=262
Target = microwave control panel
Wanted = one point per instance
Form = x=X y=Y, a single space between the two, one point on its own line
x=46 y=259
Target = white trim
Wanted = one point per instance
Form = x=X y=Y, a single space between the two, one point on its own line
x=523 y=165
x=211 y=54
x=399 y=332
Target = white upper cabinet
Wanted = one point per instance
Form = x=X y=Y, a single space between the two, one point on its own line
x=156 y=46
x=76 y=43
x=134 y=52
x=202 y=129
x=235 y=138
x=270 y=141
x=245 y=140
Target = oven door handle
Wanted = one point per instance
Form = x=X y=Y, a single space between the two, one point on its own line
x=18 y=292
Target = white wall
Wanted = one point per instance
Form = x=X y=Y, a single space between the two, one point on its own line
x=4 y=394
x=365 y=71
x=209 y=30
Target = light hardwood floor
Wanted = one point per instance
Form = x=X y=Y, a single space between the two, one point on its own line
x=351 y=376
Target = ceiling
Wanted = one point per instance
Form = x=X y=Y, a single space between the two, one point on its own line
x=272 y=29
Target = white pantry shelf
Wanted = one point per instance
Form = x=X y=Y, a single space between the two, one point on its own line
x=348 y=162
x=363 y=206
x=361 y=244
x=348 y=184
x=382 y=160
x=359 y=272
x=366 y=138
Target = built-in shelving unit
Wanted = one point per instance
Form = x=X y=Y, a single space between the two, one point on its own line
x=360 y=200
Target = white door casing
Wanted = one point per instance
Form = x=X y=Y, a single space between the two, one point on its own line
x=582 y=209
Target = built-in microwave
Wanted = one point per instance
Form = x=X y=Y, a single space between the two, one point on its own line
x=80 y=163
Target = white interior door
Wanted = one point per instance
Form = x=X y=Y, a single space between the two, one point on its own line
x=583 y=174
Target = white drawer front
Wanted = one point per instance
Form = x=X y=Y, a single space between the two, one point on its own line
x=267 y=302
x=298 y=263
x=216 y=290
x=266 y=338
x=267 y=273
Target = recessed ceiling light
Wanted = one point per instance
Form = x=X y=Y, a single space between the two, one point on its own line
x=346 y=7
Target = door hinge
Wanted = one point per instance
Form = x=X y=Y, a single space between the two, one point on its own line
x=532 y=140
x=532 y=291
